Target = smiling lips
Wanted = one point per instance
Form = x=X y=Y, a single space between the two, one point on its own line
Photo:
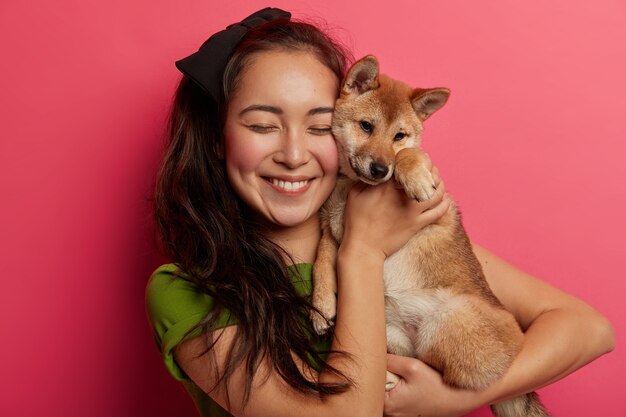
x=291 y=187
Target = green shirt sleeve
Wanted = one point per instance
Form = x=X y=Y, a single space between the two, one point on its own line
x=174 y=308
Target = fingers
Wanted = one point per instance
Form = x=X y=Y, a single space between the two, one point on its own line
x=403 y=366
x=440 y=193
x=436 y=175
x=434 y=213
x=437 y=205
x=428 y=163
x=438 y=197
x=396 y=364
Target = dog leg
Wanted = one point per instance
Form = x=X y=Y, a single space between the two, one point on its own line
x=471 y=342
x=324 y=292
x=398 y=343
x=412 y=171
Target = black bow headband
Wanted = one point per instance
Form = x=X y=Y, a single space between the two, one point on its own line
x=206 y=67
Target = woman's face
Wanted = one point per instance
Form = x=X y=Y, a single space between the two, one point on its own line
x=281 y=158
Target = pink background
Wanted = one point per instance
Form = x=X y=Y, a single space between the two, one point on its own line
x=531 y=145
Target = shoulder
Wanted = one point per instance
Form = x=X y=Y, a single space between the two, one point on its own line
x=169 y=296
x=172 y=299
x=175 y=307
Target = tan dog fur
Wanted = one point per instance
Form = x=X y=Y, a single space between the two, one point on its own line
x=434 y=284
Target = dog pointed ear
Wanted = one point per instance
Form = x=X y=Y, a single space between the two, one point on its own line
x=362 y=77
x=426 y=102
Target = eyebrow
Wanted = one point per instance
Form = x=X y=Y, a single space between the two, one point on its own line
x=261 y=107
x=278 y=110
x=320 y=110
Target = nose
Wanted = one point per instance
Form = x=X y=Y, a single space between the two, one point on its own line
x=294 y=150
x=378 y=170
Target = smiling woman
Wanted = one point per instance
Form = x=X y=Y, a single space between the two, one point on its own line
x=281 y=158
x=249 y=164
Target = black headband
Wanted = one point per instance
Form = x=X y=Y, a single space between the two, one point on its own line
x=206 y=67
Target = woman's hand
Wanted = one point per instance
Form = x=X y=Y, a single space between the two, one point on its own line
x=421 y=392
x=381 y=219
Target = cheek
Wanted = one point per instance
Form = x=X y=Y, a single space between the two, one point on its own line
x=239 y=153
x=328 y=156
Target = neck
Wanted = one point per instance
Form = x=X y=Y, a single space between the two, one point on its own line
x=300 y=241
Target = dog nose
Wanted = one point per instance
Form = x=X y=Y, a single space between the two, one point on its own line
x=378 y=170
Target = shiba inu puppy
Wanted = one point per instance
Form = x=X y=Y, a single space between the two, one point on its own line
x=434 y=284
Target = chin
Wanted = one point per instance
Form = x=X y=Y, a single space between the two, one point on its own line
x=289 y=222
x=290 y=219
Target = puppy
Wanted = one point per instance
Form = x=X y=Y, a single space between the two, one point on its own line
x=434 y=284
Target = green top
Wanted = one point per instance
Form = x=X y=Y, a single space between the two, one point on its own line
x=175 y=306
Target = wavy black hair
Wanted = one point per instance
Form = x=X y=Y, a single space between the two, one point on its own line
x=210 y=234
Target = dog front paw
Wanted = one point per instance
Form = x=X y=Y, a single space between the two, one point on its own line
x=418 y=183
x=412 y=172
x=323 y=297
x=324 y=317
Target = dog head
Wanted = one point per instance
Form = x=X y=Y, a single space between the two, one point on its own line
x=375 y=117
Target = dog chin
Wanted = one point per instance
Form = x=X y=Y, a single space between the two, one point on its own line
x=370 y=181
x=366 y=179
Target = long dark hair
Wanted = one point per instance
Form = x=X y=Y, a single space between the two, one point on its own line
x=208 y=232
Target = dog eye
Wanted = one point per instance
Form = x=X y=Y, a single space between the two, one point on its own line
x=366 y=126
x=399 y=136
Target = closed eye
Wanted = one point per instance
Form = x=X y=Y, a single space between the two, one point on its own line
x=262 y=128
x=320 y=131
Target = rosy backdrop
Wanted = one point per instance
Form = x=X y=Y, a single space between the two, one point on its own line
x=531 y=145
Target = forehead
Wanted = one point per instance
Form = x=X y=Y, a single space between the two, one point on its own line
x=393 y=99
x=273 y=75
x=385 y=111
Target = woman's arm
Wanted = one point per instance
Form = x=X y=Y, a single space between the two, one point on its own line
x=360 y=331
x=378 y=221
x=562 y=334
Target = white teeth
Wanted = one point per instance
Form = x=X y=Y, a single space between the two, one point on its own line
x=289 y=186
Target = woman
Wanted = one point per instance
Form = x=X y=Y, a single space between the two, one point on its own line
x=250 y=162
